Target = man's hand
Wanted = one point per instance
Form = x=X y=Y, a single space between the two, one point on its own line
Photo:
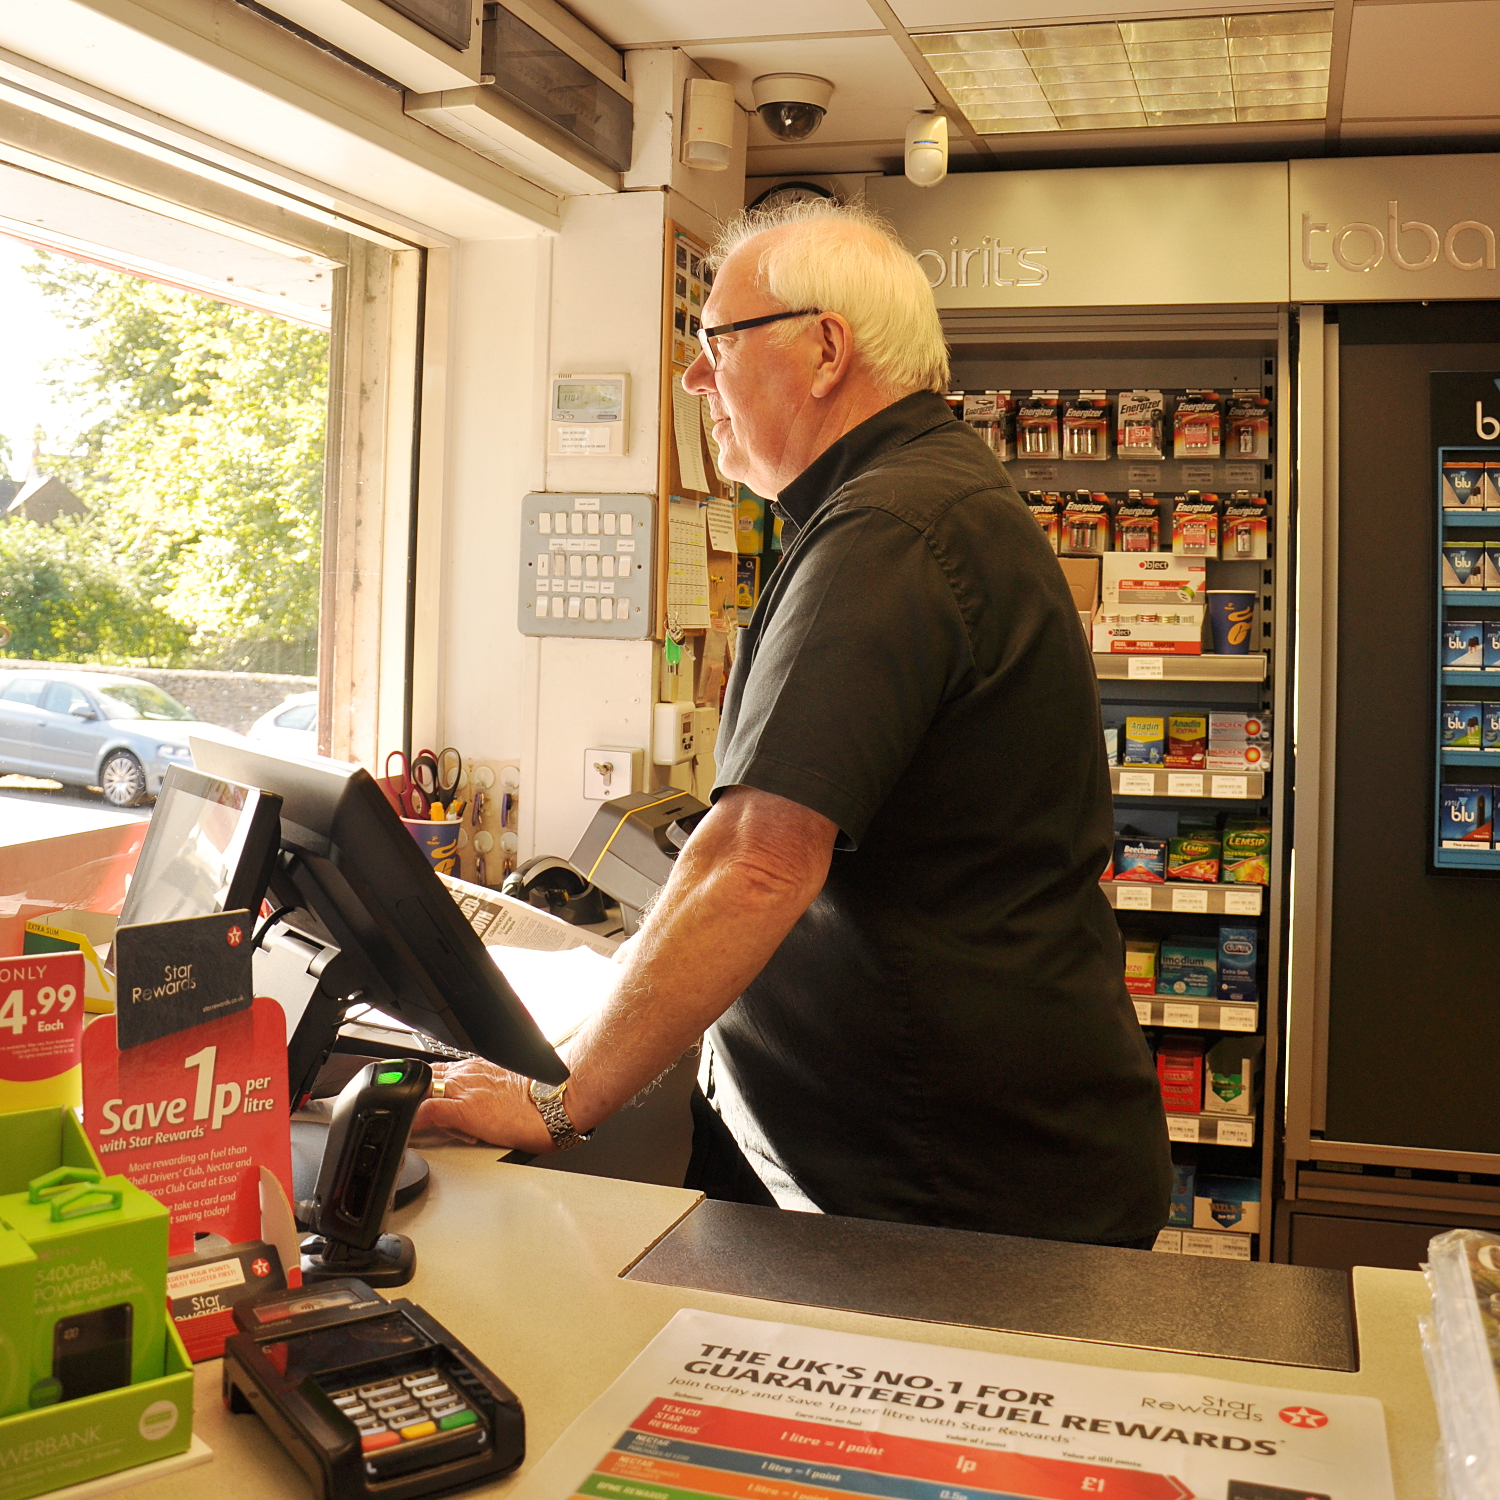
x=753 y=865
x=486 y=1103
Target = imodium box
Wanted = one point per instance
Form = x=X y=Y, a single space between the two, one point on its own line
x=1466 y=816
x=1463 y=646
x=1189 y=967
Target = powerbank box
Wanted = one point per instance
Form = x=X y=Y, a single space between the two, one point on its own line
x=1463 y=646
x=1466 y=816
x=98 y=1315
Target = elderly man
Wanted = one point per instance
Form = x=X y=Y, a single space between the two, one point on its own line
x=890 y=923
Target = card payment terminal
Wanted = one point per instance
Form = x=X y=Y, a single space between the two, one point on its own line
x=369 y=1397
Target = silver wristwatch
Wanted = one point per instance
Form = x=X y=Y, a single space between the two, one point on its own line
x=548 y=1098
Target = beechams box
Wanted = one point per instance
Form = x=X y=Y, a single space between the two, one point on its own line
x=1141 y=859
x=1466 y=816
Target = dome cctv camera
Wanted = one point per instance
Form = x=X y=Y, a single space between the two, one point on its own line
x=792 y=105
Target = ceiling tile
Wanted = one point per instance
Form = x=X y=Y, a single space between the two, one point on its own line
x=875 y=88
x=637 y=23
x=1437 y=59
x=929 y=14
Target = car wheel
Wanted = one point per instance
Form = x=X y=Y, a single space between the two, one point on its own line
x=122 y=779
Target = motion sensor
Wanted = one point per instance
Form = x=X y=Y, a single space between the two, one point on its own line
x=927 y=149
x=792 y=105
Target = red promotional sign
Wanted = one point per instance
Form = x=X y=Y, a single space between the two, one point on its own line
x=41 y=1016
x=194 y=1116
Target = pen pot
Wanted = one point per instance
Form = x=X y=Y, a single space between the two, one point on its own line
x=438 y=841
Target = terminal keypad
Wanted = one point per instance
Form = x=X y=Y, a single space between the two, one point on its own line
x=414 y=1408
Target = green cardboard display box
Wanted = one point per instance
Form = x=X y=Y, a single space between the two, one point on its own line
x=82 y=1282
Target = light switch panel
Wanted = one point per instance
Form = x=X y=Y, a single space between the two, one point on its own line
x=586 y=565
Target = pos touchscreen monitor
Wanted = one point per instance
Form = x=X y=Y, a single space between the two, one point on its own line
x=349 y=878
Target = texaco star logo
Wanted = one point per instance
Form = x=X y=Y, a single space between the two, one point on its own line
x=1303 y=1416
x=235 y=936
x=261 y=1266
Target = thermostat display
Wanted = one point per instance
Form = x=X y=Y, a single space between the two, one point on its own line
x=590 y=415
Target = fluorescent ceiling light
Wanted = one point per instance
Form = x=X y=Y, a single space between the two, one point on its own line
x=1198 y=70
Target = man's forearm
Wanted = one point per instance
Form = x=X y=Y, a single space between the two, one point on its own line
x=729 y=903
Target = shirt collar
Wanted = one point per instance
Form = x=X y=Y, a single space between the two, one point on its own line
x=853 y=453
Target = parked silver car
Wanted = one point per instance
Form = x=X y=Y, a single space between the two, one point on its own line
x=92 y=729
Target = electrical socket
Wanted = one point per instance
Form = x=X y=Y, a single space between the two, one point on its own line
x=610 y=771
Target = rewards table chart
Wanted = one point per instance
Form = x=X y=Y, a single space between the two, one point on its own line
x=525 y=1266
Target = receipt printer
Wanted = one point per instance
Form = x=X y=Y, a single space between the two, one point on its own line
x=628 y=850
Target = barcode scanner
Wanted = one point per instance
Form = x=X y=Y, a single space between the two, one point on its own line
x=372 y=1118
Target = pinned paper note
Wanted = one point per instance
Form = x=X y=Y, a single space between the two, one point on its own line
x=687 y=565
x=687 y=427
x=721 y=526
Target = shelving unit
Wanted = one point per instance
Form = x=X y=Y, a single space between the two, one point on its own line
x=1185 y=896
x=1212 y=1130
x=1166 y=781
x=1195 y=1015
x=1458 y=684
x=1208 y=668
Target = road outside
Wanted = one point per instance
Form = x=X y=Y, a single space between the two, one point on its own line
x=30 y=789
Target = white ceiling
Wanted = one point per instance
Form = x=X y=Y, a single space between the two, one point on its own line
x=1403 y=72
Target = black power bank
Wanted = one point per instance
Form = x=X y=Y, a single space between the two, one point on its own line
x=92 y=1351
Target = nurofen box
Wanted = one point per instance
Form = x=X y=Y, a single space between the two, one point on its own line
x=1466 y=816
x=1463 y=646
x=1489 y=727
x=1179 y=1071
x=1193 y=857
x=1460 y=726
x=1189 y=967
x=1239 y=954
x=1246 y=858
x=1140 y=860
x=1133 y=579
x=1232 y=1074
x=1227 y=1203
x=1238 y=741
x=1463 y=565
x=1187 y=741
x=1140 y=966
x=1145 y=740
x=1463 y=484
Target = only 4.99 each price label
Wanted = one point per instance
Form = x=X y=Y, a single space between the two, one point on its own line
x=41 y=1016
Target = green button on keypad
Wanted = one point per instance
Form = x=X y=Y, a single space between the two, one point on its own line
x=456 y=1419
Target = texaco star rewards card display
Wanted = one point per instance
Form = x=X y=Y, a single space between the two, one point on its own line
x=734 y=1407
x=172 y=975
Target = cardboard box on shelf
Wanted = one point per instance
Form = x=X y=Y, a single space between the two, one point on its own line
x=1238 y=741
x=1227 y=1203
x=1189 y=967
x=1232 y=1073
x=1179 y=1071
x=1136 y=578
x=1082 y=574
x=1140 y=966
x=1180 y=1214
x=1145 y=740
x=1239 y=957
x=1149 y=630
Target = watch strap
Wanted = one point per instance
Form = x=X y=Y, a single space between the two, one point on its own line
x=549 y=1104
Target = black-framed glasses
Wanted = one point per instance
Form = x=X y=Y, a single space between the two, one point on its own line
x=706 y=336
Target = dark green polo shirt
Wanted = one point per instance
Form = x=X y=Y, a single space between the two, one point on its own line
x=944 y=1037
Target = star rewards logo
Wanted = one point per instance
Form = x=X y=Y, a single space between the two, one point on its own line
x=1303 y=1416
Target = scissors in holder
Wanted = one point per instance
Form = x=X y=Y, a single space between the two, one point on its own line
x=413 y=800
x=438 y=777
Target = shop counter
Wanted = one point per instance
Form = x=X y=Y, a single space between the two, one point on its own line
x=542 y=1275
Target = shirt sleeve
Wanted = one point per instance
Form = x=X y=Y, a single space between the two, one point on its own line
x=863 y=646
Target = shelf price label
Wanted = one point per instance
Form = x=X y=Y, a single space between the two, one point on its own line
x=1188 y=784
x=1237 y=1018
x=1189 y=900
x=41 y=1030
x=1182 y=1127
x=1230 y=786
x=1137 y=783
x=1236 y=1132
x=1144 y=669
x=1132 y=898
x=1243 y=903
x=1142 y=1011
x=1179 y=1015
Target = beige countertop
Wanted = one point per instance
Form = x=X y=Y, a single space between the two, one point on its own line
x=524 y=1266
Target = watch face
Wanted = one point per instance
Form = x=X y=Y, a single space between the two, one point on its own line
x=545 y=1093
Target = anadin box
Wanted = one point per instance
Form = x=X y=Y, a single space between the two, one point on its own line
x=68 y=1442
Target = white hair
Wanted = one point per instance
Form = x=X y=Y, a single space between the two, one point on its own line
x=845 y=258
